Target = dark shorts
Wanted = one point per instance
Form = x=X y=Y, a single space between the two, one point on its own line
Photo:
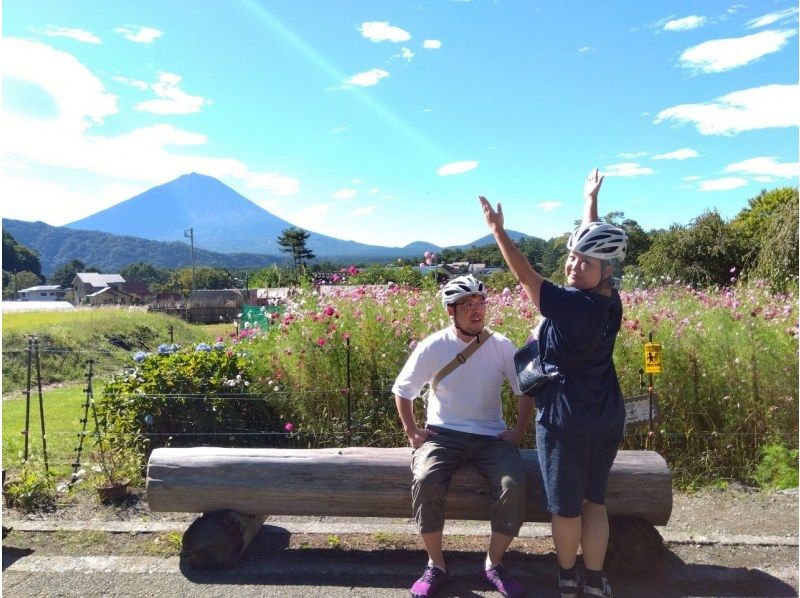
x=575 y=466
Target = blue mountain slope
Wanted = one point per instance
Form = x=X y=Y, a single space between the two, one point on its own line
x=222 y=220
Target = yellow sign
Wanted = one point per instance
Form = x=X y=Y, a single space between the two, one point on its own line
x=652 y=358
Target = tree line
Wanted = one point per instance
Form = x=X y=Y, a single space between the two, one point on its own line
x=760 y=242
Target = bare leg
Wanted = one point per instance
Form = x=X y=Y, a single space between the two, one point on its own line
x=498 y=544
x=433 y=544
x=594 y=536
x=566 y=538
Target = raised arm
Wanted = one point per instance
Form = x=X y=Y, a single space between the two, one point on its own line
x=591 y=189
x=529 y=278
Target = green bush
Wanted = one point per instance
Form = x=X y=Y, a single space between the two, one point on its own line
x=34 y=490
x=777 y=468
x=185 y=397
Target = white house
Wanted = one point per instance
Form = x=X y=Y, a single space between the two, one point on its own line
x=44 y=292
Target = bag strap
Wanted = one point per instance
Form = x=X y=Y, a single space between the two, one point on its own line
x=462 y=357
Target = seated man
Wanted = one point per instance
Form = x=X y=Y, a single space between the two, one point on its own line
x=464 y=424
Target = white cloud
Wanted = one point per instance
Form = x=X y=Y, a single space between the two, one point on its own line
x=585 y=49
x=627 y=169
x=381 y=31
x=763 y=179
x=173 y=100
x=338 y=129
x=367 y=78
x=80 y=35
x=686 y=23
x=432 y=44
x=139 y=34
x=720 y=55
x=277 y=184
x=745 y=110
x=357 y=182
x=374 y=190
x=406 y=53
x=132 y=82
x=765 y=165
x=81 y=98
x=549 y=206
x=312 y=216
x=457 y=167
x=692 y=178
x=771 y=18
x=362 y=211
x=724 y=184
x=71 y=139
x=680 y=154
x=344 y=194
x=632 y=155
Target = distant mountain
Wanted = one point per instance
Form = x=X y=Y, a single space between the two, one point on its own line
x=223 y=221
x=229 y=231
x=57 y=245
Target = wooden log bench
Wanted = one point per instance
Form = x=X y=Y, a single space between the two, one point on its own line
x=237 y=488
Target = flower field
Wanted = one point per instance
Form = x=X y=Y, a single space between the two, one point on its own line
x=321 y=374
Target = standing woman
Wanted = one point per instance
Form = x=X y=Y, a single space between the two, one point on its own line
x=580 y=414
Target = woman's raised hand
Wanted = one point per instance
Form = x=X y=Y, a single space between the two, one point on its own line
x=493 y=218
x=592 y=185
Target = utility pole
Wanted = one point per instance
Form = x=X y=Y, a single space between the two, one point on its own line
x=189 y=232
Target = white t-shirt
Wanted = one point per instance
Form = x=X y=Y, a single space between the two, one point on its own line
x=468 y=398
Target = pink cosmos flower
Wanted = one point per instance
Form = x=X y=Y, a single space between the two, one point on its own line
x=289 y=426
x=321 y=342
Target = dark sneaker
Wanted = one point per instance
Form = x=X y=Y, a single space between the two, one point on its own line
x=505 y=584
x=569 y=588
x=604 y=590
x=429 y=583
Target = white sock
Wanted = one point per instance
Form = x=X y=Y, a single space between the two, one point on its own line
x=488 y=563
x=432 y=564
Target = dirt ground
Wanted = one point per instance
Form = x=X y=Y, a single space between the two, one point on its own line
x=736 y=510
x=733 y=542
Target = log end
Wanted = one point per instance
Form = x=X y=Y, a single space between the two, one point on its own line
x=635 y=547
x=214 y=540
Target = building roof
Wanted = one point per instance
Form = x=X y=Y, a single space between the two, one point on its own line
x=42 y=287
x=96 y=279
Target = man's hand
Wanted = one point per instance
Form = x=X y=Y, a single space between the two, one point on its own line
x=418 y=436
x=493 y=219
x=513 y=435
x=592 y=185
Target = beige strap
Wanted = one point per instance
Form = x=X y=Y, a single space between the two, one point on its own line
x=462 y=357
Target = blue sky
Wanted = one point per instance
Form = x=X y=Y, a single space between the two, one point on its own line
x=382 y=121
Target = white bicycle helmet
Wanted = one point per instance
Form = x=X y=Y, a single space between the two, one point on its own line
x=599 y=240
x=460 y=287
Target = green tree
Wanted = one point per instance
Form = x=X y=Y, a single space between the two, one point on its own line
x=768 y=233
x=18 y=258
x=143 y=272
x=65 y=274
x=180 y=281
x=701 y=254
x=293 y=241
x=16 y=281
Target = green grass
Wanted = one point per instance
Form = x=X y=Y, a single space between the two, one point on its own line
x=108 y=337
x=63 y=410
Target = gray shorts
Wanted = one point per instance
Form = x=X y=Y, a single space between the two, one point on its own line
x=499 y=461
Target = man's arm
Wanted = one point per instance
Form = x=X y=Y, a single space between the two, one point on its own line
x=416 y=435
x=516 y=434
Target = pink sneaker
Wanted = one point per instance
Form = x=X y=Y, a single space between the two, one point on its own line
x=505 y=584
x=429 y=583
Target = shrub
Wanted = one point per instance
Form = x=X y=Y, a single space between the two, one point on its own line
x=184 y=397
x=34 y=490
x=777 y=468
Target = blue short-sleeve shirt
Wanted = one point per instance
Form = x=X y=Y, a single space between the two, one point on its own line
x=577 y=339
